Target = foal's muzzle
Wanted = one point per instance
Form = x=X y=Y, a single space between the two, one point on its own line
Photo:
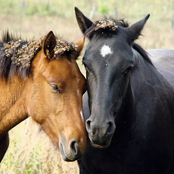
x=73 y=153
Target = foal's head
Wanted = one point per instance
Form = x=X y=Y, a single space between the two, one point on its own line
x=55 y=95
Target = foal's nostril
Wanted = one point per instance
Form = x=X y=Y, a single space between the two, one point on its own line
x=74 y=147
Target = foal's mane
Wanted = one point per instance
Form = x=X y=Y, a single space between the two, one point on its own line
x=110 y=26
x=10 y=60
x=16 y=55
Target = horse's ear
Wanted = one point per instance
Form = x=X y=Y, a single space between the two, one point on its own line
x=80 y=44
x=134 y=30
x=83 y=21
x=49 y=44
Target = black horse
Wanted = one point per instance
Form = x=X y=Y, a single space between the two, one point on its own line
x=131 y=104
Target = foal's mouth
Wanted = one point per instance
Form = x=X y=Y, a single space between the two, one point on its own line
x=64 y=155
x=69 y=157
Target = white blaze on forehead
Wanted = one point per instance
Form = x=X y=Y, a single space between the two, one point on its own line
x=105 y=50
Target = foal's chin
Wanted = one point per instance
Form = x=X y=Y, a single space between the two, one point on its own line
x=68 y=155
x=71 y=149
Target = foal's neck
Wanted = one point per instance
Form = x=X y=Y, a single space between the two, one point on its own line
x=14 y=99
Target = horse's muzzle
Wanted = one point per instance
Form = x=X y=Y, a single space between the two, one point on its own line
x=100 y=135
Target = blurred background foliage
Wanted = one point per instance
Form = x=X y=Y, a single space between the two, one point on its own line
x=159 y=9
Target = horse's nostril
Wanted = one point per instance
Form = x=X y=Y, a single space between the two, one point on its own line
x=111 y=128
x=88 y=125
x=74 y=147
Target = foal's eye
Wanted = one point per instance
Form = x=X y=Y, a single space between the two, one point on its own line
x=55 y=88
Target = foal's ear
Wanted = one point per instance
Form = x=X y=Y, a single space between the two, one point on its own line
x=80 y=44
x=134 y=30
x=49 y=44
x=83 y=21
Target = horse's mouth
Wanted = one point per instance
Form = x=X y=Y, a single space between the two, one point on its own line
x=100 y=145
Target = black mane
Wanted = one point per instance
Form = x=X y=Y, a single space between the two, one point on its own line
x=7 y=37
x=8 y=67
x=142 y=52
x=17 y=55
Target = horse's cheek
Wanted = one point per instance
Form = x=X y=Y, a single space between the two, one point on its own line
x=58 y=104
x=35 y=109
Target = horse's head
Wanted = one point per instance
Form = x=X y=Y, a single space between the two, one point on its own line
x=108 y=60
x=56 y=95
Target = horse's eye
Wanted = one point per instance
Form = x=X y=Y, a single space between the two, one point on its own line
x=127 y=70
x=55 y=88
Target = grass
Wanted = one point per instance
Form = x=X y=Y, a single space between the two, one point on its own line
x=31 y=152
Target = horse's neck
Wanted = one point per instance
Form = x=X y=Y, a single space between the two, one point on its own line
x=12 y=104
x=144 y=74
x=14 y=96
x=10 y=92
x=139 y=83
